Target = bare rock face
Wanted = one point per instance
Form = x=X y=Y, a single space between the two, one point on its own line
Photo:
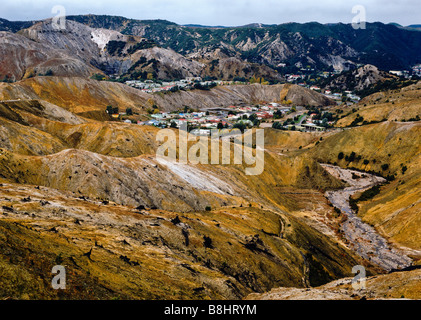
x=117 y=54
x=23 y=58
x=111 y=51
x=359 y=79
x=224 y=62
x=170 y=63
x=303 y=96
x=80 y=41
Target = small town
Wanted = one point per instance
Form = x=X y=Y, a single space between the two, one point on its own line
x=279 y=116
x=282 y=116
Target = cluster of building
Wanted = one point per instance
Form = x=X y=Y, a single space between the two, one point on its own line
x=306 y=123
x=300 y=78
x=417 y=70
x=150 y=86
x=213 y=118
x=350 y=96
x=408 y=74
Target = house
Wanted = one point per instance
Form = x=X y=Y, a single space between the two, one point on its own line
x=233 y=117
x=396 y=73
x=264 y=115
x=313 y=127
x=152 y=123
x=192 y=79
x=201 y=132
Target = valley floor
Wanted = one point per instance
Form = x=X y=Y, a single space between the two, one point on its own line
x=363 y=238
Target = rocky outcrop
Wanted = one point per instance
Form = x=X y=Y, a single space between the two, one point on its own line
x=359 y=79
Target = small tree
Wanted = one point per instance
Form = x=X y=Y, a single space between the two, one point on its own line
x=241 y=126
x=129 y=111
x=110 y=109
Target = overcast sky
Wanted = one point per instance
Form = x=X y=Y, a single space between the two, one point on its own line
x=222 y=12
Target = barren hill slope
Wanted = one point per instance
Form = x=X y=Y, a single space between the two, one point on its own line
x=112 y=52
x=77 y=95
x=113 y=252
x=393 y=105
x=224 y=96
x=23 y=58
x=93 y=195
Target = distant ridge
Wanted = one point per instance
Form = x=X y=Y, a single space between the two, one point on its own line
x=228 y=53
x=205 y=27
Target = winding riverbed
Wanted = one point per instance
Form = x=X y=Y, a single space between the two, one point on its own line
x=364 y=239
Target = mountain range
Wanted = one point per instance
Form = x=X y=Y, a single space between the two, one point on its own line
x=135 y=48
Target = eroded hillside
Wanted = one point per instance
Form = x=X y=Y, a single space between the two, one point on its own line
x=92 y=195
x=112 y=251
x=400 y=105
